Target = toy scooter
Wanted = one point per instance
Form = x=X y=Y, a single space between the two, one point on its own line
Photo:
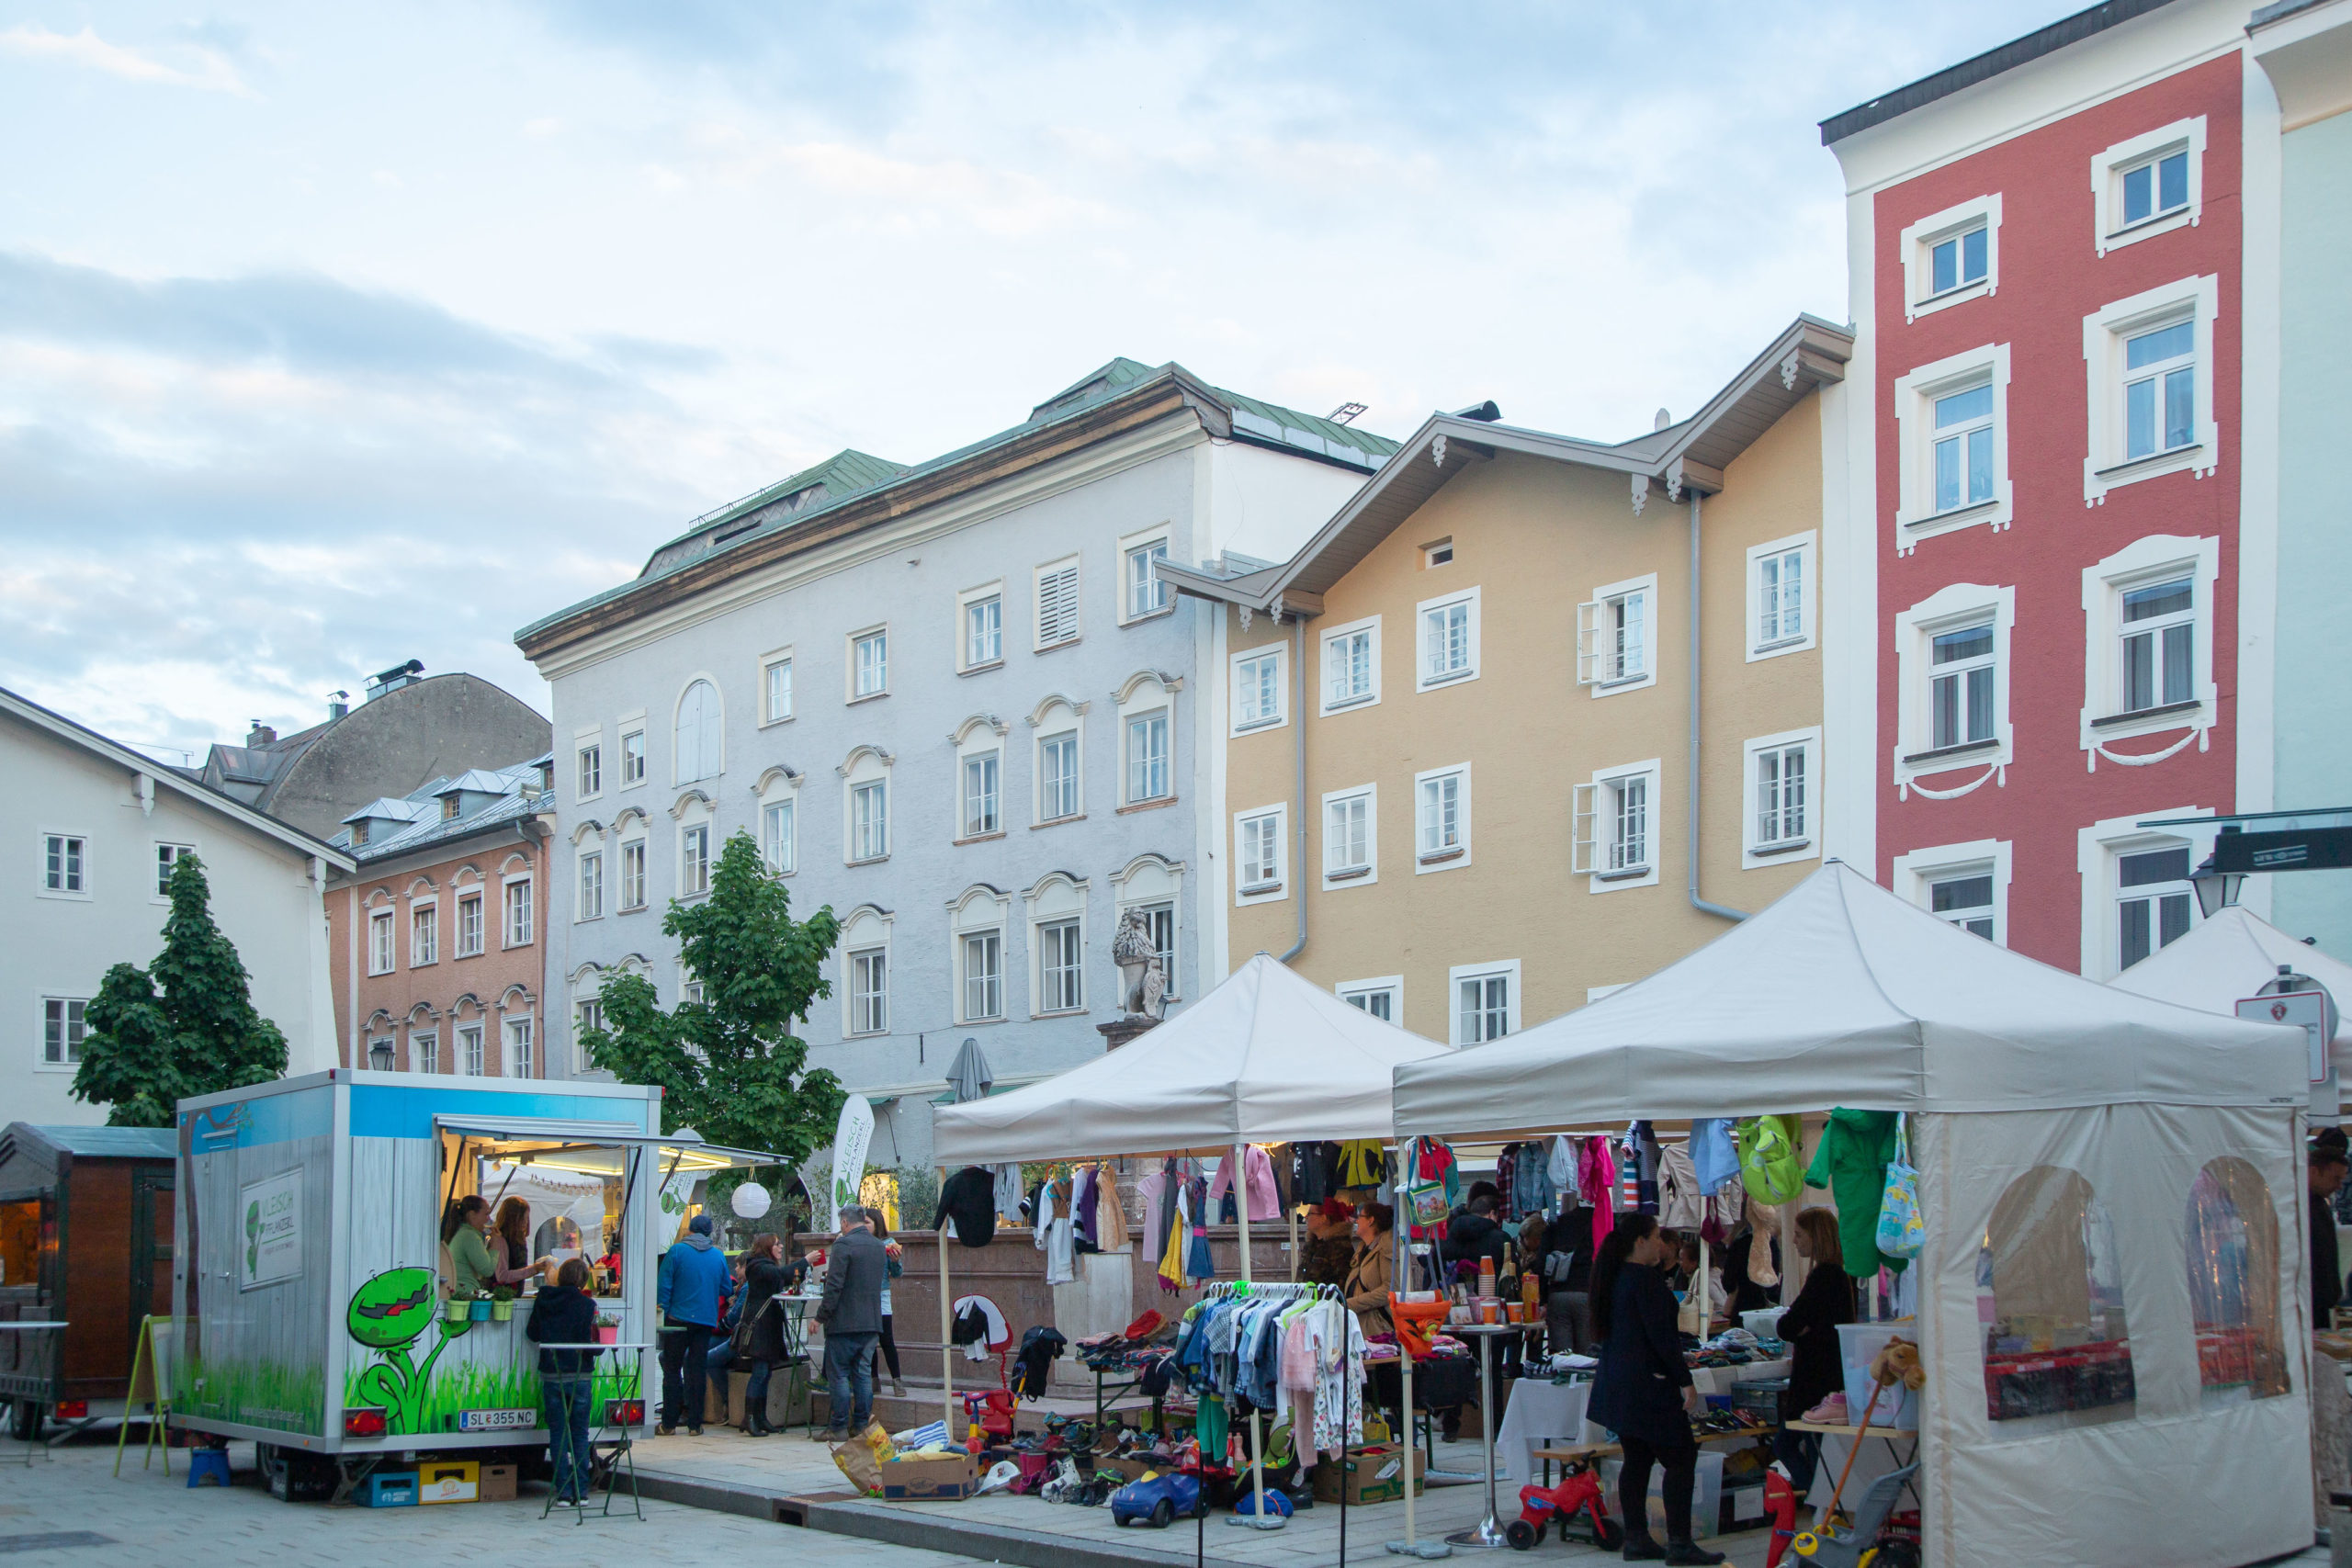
x=1578 y=1491
x=1780 y=1507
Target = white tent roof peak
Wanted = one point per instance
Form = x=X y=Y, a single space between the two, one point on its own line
x=1267 y=1057
x=1842 y=994
x=2219 y=961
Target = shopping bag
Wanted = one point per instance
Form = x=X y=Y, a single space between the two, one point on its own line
x=1426 y=1204
x=1902 y=1233
x=861 y=1458
x=1767 y=1158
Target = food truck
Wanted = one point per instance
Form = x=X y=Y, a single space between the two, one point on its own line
x=310 y=1292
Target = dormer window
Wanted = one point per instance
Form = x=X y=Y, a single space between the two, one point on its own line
x=449 y=809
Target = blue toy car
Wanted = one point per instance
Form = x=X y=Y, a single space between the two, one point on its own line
x=1156 y=1499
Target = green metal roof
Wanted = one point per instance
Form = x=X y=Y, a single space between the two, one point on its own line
x=850 y=474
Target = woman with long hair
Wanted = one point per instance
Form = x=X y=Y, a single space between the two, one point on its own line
x=1643 y=1391
x=890 y=1251
x=760 y=1331
x=513 y=1230
x=1816 y=1367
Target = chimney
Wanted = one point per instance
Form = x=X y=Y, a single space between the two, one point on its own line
x=392 y=680
x=338 y=706
x=261 y=735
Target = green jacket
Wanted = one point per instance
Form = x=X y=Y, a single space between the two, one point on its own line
x=469 y=1259
x=1852 y=1164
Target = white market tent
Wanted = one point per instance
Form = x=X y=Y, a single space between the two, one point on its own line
x=1267 y=1057
x=2220 y=961
x=1841 y=994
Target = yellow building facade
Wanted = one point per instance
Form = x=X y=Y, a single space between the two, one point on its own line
x=1458 y=725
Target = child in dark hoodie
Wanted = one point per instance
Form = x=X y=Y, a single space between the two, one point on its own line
x=565 y=1313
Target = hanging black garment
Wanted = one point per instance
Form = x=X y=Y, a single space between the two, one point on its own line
x=969 y=1200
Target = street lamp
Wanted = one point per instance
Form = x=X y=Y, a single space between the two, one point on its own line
x=2216 y=890
x=379 y=1055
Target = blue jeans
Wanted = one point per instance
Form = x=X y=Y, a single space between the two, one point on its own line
x=849 y=1372
x=567 y=1399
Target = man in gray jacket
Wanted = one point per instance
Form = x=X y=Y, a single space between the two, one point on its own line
x=856 y=1270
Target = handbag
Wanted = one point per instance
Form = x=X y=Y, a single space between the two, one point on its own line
x=1767 y=1158
x=740 y=1341
x=1902 y=1233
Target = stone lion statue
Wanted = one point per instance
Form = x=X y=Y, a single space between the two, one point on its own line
x=1142 y=987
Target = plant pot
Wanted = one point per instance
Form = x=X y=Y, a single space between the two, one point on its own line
x=480 y=1311
x=501 y=1312
x=456 y=1311
x=608 y=1334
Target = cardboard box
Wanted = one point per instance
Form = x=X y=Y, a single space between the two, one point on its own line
x=497 y=1484
x=933 y=1478
x=448 y=1481
x=1375 y=1475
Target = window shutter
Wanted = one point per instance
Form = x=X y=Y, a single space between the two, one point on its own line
x=1057 y=606
x=1587 y=646
x=1581 y=855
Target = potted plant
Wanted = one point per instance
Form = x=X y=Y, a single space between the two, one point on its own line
x=608 y=1329
x=458 y=1309
x=502 y=1304
x=479 y=1308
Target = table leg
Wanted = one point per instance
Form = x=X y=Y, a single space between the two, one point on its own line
x=1487 y=1532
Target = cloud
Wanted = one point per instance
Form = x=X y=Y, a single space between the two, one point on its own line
x=214 y=72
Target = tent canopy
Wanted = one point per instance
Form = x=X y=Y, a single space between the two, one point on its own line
x=1267 y=1057
x=1842 y=994
x=2221 y=961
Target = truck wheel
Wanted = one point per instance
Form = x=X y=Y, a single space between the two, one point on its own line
x=1521 y=1534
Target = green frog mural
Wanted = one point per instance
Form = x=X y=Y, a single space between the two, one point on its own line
x=387 y=1315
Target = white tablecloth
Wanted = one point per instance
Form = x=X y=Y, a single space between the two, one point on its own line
x=1540 y=1412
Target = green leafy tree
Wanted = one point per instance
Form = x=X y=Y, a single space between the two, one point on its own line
x=183 y=1026
x=729 y=1065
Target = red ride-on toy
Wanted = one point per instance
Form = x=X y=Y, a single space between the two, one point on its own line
x=1578 y=1492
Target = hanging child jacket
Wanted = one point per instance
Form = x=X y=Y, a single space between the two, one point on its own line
x=1596 y=1183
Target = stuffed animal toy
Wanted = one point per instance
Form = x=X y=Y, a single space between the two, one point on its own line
x=1899 y=1363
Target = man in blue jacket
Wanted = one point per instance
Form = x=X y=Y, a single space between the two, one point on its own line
x=693 y=1285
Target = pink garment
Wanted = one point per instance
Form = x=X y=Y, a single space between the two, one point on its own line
x=1596 y=1183
x=1298 y=1376
x=1259 y=1176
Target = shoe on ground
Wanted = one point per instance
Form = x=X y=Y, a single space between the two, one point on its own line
x=898 y=1389
x=825 y=1435
x=1689 y=1552
x=694 y=1431
x=1643 y=1549
x=567 y=1502
x=665 y=1430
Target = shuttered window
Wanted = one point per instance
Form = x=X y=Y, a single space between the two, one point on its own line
x=1058 y=603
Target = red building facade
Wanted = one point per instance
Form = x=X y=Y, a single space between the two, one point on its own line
x=2048 y=259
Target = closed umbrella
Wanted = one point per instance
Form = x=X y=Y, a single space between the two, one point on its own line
x=970 y=1077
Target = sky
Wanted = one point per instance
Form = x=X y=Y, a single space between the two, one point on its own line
x=332 y=336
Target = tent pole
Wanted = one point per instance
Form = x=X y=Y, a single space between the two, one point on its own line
x=946 y=1324
x=1400 y=1280
x=1240 y=1187
x=1293 y=1244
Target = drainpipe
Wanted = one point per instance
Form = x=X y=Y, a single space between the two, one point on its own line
x=1692 y=815
x=1298 y=752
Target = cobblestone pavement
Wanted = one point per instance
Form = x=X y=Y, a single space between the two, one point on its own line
x=147 y=1521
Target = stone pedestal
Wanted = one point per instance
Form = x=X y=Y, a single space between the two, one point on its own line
x=1123 y=1028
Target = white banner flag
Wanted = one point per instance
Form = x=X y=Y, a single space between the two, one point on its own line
x=852 y=1133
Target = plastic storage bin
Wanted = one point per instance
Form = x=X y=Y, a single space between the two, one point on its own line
x=1764 y=1323
x=1858 y=1346
x=1706 y=1495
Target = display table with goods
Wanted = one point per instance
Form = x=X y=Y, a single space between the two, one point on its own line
x=2058 y=1133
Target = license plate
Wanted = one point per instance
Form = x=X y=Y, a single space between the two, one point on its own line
x=495 y=1420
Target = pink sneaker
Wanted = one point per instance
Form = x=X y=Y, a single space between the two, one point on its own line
x=1831 y=1412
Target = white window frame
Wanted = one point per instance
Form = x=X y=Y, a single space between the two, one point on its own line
x=168 y=856
x=1128 y=759
x=68 y=1042
x=507 y=909
x=1805 y=546
x=418 y=907
x=1595 y=806
x=1915 y=631
x=682 y=771
x=1361 y=875
x=2159 y=558
x=1754 y=854
x=1917 y=873
x=865 y=847
x=521 y=1047
x=1425 y=860
x=990 y=1008
x=1916 y=517
x=2106 y=467
x=988 y=766
x=1328 y=641
x=2109 y=168
x=1595 y=640
x=630 y=732
x=1423 y=680
x=980 y=912
x=2098 y=849
x=1505 y=970
x=588 y=885
x=1264 y=892
x=855 y=665
x=1278 y=654
x=1060 y=989
x=421 y=1044
x=967 y=602
x=383 y=954
x=467 y=1053
x=621 y=904
x=1130 y=549
x=1437 y=553
x=868 y=1008
x=1389 y=987
x=587 y=766
x=779 y=790
x=1049 y=733
x=73 y=863
x=776 y=705
x=1067 y=622
x=1918 y=245
x=477 y=896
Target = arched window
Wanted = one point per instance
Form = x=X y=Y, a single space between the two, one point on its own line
x=697 y=750
x=2234 y=1284
x=2051 y=1298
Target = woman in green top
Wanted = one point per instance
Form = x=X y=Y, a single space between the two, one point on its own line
x=472 y=1265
